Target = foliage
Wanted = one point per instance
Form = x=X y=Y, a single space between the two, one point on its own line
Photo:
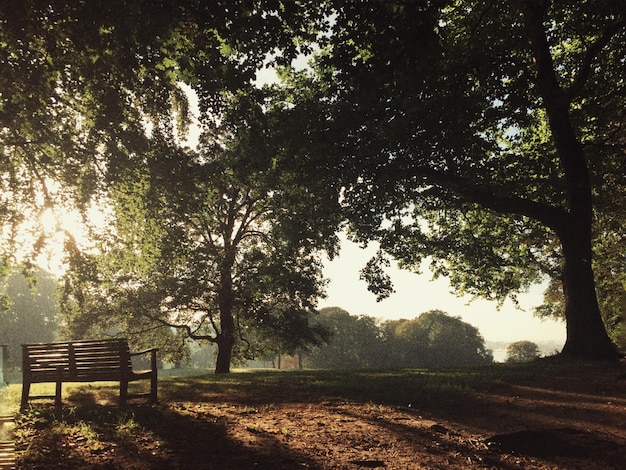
x=201 y=355
x=353 y=343
x=31 y=316
x=477 y=133
x=202 y=247
x=609 y=267
x=87 y=90
x=77 y=86
x=522 y=351
x=480 y=133
x=434 y=339
x=87 y=312
x=85 y=85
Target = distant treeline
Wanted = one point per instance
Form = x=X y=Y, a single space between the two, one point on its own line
x=434 y=339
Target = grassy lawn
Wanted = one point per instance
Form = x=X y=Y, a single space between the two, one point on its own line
x=275 y=418
x=402 y=387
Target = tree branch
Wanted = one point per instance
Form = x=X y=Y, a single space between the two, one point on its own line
x=492 y=198
x=592 y=53
x=190 y=333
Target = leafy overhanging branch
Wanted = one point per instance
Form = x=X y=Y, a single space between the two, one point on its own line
x=591 y=55
x=493 y=198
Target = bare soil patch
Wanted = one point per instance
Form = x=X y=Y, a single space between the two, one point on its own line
x=552 y=418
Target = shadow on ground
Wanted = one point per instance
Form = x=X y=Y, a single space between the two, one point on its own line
x=143 y=437
x=392 y=420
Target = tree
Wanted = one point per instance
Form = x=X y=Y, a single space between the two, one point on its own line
x=292 y=335
x=522 y=351
x=76 y=84
x=609 y=267
x=84 y=84
x=435 y=339
x=201 y=246
x=88 y=90
x=400 y=344
x=479 y=134
x=354 y=341
x=31 y=316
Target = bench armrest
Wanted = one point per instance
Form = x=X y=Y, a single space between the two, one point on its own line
x=146 y=351
x=153 y=366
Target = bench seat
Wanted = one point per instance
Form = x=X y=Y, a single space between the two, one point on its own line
x=101 y=360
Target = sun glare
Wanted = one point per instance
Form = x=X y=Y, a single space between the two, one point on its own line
x=48 y=221
x=56 y=225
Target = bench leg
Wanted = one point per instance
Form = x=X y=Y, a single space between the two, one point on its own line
x=153 y=377
x=123 y=391
x=57 y=394
x=153 y=388
x=25 y=394
x=59 y=388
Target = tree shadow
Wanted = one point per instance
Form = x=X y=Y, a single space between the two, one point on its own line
x=568 y=419
x=201 y=440
x=87 y=432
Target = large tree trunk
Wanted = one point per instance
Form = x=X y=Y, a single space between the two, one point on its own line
x=226 y=299
x=586 y=334
x=224 y=353
x=225 y=339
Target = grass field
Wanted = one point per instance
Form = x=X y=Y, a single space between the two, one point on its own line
x=337 y=419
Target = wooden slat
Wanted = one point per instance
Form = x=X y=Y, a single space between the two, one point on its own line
x=7 y=446
x=7 y=455
x=87 y=360
x=83 y=361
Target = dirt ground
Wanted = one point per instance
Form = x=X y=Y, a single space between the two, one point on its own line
x=570 y=421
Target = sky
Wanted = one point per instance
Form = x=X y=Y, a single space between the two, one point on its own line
x=416 y=294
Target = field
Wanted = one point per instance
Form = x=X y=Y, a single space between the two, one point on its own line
x=542 y=415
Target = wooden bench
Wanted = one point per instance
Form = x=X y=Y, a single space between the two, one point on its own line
x=84 y=361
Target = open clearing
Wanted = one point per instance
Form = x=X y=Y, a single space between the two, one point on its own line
x=542 y=415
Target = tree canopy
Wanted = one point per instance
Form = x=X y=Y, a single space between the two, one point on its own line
x=201 y=246
x=485 y=135
x=443 y=340
x=353 y=341
x=92 y=96
x=433 y=339
x=84 y=84
x=31 y=314
x=522 y=351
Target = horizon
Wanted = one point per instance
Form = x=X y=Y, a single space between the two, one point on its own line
x=418 y=293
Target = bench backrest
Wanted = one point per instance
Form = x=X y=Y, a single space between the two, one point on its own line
x=77 y=361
